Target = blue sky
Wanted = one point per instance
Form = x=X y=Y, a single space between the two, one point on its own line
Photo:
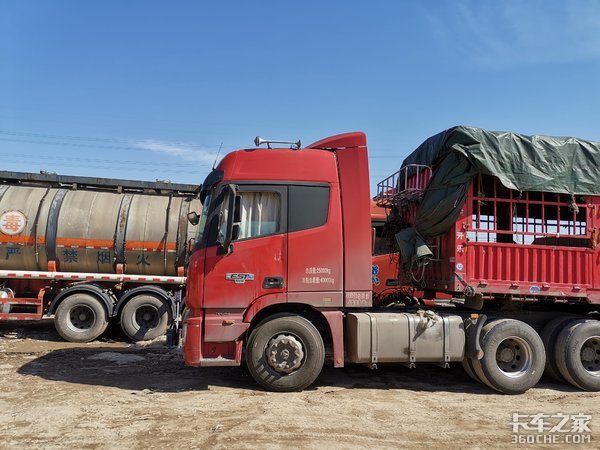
x=149 y=90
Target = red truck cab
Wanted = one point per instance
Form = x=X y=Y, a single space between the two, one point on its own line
x=282 y=232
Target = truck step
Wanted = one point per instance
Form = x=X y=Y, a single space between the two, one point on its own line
x=218 y=362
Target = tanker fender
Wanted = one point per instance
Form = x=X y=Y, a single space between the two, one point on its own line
x=168 y=300
x=103 y=294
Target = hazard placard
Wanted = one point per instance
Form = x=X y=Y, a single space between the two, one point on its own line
x=12 y=222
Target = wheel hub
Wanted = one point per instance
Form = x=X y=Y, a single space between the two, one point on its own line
x=147 y=317
x=506 y=355
x=514 y=356
x=590 y=355
x=284 y=353
x=82 y=317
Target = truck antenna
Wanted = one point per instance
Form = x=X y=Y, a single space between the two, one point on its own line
x=217 y=157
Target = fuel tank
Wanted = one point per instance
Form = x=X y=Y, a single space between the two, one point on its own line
x=94 y=224
x=394 y=337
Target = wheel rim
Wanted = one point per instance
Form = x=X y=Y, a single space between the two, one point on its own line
x=590 y=355
x=514 y=356
x=285 y=353
x=82 y=317
x=147 y=317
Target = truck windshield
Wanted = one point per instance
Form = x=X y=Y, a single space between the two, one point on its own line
x=203 y=216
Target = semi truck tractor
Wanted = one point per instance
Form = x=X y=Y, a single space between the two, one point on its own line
x=89 y=251
x=494 y=263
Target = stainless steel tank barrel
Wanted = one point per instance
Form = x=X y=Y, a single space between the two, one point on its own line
x=94 y=224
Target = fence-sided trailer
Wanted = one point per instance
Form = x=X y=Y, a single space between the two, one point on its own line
x=92 y=250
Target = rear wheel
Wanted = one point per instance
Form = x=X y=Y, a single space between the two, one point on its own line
x=514 y=356
x=285 y=353
x=468 y=366
x=578 y=354
x=80 y=318
x=145 y=317
x=549 y=335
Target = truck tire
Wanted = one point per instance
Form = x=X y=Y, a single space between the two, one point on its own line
x=474 y=364
x=514 y=356
x=578 y=354
x=80 y=318
x=468 y=366
x=144 y=317
x=549 y=335
x=285 y=353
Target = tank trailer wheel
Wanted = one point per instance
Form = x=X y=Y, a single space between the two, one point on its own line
x=549 y=337
x=144 y=317
x=285 y=353
x=80 y=318
x=514 y=356
x=578 y=354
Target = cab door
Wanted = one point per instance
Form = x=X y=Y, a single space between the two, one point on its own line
x=255 y=262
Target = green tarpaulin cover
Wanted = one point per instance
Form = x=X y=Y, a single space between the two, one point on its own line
x=524 y=163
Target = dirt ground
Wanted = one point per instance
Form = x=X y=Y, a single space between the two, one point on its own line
x=111 y=394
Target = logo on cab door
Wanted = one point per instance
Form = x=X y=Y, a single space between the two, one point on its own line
x=239 y=278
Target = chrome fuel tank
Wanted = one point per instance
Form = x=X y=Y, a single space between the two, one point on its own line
x=393 y=337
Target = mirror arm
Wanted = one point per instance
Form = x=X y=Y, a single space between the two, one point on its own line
x=230 y=206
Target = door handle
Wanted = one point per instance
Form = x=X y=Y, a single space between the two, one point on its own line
x=273 y=283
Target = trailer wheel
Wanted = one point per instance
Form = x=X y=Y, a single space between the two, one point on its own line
x=578 y=354
x=514 y=356
x=285 y=353
x=80 y=318
x=144 y=317
x=549 y=337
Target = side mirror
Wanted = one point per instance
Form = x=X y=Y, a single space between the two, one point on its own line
x=193 y=218
x=225 y=241
x=235 y=231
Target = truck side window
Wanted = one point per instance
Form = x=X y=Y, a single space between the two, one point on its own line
x=308 y=207
x=383 y=244
x=259 y=214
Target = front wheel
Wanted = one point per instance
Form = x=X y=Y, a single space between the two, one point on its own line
x=285 y=353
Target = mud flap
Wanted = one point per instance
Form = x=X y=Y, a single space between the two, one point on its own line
x=473 y=326
x=174 y=331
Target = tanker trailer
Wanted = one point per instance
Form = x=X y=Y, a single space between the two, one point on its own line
x=89 y=251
